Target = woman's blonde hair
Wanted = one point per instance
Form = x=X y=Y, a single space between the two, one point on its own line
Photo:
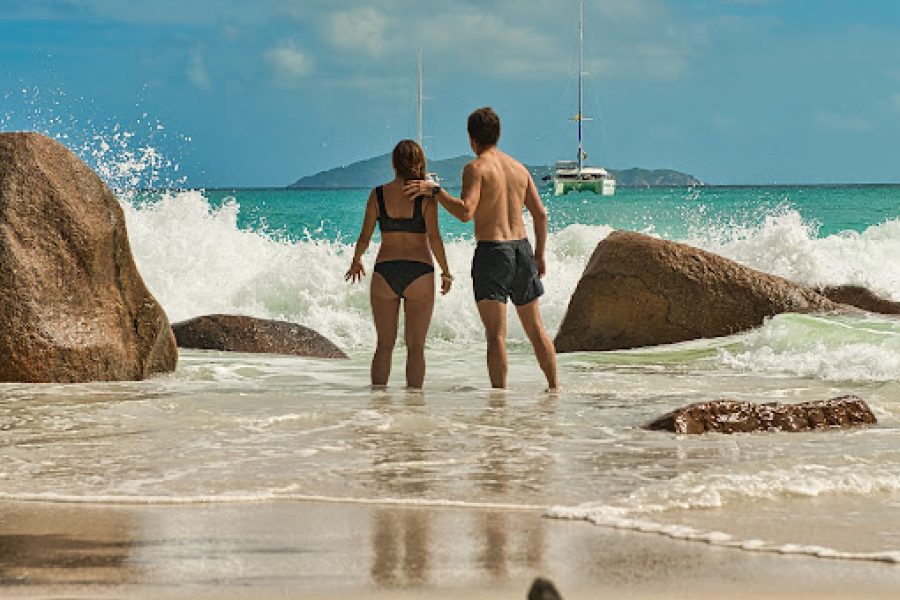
x=409 y=160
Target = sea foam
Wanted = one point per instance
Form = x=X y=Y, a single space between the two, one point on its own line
x=787 y=246
x=645 y=510
x=833 y=348
x=197 y=260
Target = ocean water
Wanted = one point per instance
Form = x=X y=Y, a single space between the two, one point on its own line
x=229 y=427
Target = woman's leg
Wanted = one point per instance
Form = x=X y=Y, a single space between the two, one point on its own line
x=386 y=312
x=417 y=307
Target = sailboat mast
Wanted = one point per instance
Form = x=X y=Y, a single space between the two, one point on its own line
x=580 y=85
x=419 y=103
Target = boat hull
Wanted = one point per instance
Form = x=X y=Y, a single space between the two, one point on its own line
x=603 y=187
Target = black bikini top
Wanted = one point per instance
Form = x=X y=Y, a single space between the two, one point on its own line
x=414 y=224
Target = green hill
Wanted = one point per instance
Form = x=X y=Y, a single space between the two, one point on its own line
x=373 y=171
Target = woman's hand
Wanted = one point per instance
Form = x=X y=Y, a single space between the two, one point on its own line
x=356 y=271
x=446 y=283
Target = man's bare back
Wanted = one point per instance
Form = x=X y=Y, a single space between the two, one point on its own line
x=503 y=183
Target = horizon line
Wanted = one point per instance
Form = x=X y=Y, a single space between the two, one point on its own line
x=636 y=187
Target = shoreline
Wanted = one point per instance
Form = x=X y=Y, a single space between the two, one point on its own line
x=322 y=550
x=712 y=186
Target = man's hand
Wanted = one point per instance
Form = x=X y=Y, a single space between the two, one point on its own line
x=418 y=187
x=541 y=266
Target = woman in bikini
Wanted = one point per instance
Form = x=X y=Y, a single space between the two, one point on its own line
x=404 y=269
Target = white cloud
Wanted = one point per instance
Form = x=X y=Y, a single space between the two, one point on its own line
x=288 y=62
x=627 y=10
x=232 y=32
x=488 y=43
x=622 y=37
x=654 y=59
x=894 y=101
x=43 y=9
x=462 y=37
x=750 y=2
x=846 y=122
x=196 y=71
x=360 y=29
x=723 y=123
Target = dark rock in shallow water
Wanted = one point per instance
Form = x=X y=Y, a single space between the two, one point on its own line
x=543 y=589
x=236 y=333
x=73 y=306
x=731 y=416
x=860 y=297
x=641 y=291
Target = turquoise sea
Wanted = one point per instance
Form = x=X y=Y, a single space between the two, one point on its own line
x=236 y=428
x=670 y=213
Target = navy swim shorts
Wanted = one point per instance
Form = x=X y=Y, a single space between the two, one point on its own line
x=506 y=269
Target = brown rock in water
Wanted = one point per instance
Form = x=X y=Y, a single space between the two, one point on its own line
x=860 y=297
x=236 y=333
x=641 y=291
x=73 y=306
x=731 y=416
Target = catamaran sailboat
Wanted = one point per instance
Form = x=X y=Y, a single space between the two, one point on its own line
x=575 y=175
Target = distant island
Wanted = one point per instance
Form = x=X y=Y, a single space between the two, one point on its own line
x=373 y=171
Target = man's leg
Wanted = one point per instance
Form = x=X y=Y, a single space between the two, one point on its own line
x=530 y=316
x=493 y=315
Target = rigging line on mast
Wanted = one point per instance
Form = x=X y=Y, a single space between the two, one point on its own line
x=419 y=103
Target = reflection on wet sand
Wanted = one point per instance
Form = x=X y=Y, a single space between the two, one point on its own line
x=495 y=476
x=408 y=548
x=47 y=551
x=400 y=550
x=400 y=541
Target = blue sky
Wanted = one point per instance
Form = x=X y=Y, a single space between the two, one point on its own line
x=260 y=93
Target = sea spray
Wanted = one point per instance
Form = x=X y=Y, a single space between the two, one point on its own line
x=832 y=348
x=786 y=245
x=126 y=153
x=197 y=260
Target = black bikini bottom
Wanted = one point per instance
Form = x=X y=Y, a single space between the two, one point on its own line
x=400 y=273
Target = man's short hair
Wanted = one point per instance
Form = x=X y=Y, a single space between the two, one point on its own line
x=484 y=126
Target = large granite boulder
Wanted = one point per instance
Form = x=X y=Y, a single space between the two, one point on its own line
x=860 y=297
x=236 y=333
x=732 y=416
x=73 y=306
x=641 y=291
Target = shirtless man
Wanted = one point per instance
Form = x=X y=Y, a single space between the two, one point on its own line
x=495 y=187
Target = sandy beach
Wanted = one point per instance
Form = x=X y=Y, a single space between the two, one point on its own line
x=333 y=550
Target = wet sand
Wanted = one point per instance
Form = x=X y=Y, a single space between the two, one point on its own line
x=329 y=551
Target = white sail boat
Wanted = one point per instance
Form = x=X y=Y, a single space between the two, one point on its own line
x=432 y=176
x=575 y=175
